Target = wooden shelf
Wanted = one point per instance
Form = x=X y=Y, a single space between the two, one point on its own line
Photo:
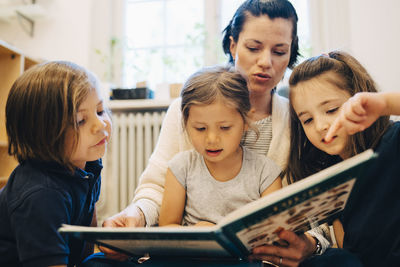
x=12 y=64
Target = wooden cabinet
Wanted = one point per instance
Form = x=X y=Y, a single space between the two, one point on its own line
x=12 y=63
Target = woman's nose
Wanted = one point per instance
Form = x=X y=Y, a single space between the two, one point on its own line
x=265 y=60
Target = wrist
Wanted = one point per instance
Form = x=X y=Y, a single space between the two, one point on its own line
x=315 y=247
x=318 y=247
x=142 y=221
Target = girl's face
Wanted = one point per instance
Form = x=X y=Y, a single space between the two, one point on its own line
x=316 y=103
x=94 y=126
x=215 y=131
x=262 y=52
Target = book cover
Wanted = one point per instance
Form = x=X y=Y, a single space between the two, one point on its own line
x=298 y=207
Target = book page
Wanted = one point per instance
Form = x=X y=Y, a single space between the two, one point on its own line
x=299 y=218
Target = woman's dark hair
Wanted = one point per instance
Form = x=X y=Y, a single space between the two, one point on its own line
x=352 y=77
x=273 y=9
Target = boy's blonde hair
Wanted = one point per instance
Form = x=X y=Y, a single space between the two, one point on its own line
x=41 y=106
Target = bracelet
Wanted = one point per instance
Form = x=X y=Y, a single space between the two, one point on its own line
x=318 y=248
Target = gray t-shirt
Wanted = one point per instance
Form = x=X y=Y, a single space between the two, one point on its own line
x=210 y=200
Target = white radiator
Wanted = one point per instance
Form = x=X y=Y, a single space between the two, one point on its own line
x=133 y=139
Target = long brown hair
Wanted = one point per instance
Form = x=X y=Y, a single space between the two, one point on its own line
x=304 y=158
x=41 y=106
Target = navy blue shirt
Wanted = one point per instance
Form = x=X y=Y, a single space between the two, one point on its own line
x=38 y=198
x=371 y=219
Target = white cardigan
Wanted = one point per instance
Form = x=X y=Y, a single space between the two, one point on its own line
x=173 y=139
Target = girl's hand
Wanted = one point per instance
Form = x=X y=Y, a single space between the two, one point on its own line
x=358 y=113
x=204 y=223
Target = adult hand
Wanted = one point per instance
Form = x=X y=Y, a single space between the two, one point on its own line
x=357 y=113
x=131 y=216
x=299 y=248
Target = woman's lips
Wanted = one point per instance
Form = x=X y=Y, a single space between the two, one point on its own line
x=262 y=77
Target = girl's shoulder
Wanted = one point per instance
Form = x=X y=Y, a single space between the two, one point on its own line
x=391 y=138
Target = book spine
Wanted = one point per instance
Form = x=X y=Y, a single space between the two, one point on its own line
x=229 y=245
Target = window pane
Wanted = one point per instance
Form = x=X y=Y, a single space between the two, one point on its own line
x=144 y=24
x=182 y=62
x=142 y=65
x=182 y=18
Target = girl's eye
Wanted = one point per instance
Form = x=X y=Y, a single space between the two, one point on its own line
x=225 y=128
x=100 y=113
x=333 y=110
x=307 y=121
x=81 y=122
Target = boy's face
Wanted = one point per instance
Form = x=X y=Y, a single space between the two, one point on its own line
x=215 y=131
x=316 y=103
x=94 y=125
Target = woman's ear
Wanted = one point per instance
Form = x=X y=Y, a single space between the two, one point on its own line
x=232 y=47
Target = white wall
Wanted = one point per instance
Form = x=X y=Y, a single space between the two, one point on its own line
x=368 y=29
x=62 y=34
x=73 y=29
x=375 y=39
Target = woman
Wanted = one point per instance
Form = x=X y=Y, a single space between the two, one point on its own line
x=261 y=42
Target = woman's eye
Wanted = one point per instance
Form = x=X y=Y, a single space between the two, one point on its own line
x=252 y=49
x=333 y=110
x=279 y=53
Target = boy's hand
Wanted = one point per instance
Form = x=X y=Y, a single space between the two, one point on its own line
x=132 y=216
x=357 y=114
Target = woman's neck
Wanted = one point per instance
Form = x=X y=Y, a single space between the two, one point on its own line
x=261 y=105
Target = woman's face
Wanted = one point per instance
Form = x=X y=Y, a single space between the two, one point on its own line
x=262 y=52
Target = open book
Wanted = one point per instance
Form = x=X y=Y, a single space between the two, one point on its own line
x=298 y=207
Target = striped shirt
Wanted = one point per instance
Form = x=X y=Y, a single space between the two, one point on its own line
x=260 y=145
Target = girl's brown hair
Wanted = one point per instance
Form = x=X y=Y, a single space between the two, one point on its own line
x=217 y=82
x=41 y=106
x=304 y=158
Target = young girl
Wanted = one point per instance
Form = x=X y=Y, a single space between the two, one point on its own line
x=335 y=92
x=218 y=175
x=58 y=130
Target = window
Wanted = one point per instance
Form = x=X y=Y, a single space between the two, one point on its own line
x=164 y=40
x=167 y=40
